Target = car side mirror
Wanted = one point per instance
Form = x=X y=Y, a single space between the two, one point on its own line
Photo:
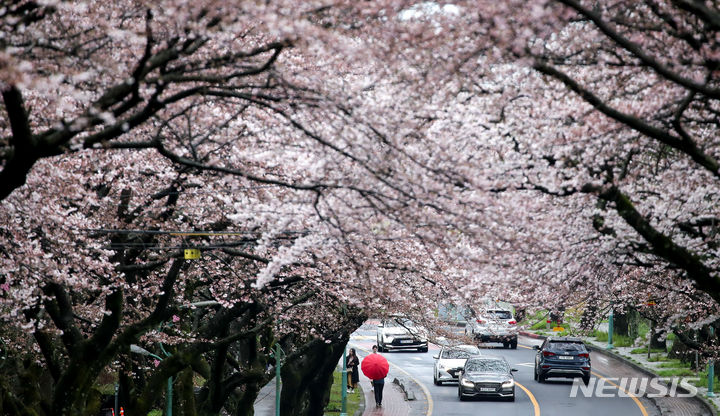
x=536 y=347
x=513 y=370
x=380 y=325
x=436 y=357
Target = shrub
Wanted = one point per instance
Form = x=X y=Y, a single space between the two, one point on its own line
x=644 y=350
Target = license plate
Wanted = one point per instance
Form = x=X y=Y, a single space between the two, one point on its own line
x=406 y=341
x=566 y=357
x=487 y=389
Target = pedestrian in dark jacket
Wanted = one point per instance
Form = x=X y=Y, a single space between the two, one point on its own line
x=352 y=364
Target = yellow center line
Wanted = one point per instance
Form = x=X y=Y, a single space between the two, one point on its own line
x=632 y=396
x=524 y=346
x=536 y=406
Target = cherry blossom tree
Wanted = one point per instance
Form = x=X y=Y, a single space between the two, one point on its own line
x=330 y=161
x=133 y=133
x=622 y=112
x=625 y=111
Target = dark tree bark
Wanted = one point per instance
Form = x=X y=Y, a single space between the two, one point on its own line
x=306 y=380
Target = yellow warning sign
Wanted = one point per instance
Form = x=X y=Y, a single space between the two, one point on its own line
x=192 y=254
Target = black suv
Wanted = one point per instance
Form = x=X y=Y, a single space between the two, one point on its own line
x=564 y=357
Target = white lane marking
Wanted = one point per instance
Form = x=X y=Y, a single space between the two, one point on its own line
x=526 y=364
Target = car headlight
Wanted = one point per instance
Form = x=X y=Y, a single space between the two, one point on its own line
x=466 y=383
x=388 y=338
x=508 y=384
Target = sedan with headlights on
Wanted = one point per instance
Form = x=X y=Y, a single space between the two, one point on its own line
x=487 y=376
x=450 y=361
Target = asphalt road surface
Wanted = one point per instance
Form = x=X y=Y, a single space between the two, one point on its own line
x=532 y=398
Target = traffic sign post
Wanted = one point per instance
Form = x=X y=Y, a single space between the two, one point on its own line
x=344 y=383
x=711 y=370
x=278 y=362
x=610 y=330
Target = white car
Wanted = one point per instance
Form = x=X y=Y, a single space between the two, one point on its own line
x=494 y=325
x=450 y=361
x=399 y=333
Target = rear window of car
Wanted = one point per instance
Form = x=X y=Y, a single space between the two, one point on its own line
x=499 y=314
x=566 y=346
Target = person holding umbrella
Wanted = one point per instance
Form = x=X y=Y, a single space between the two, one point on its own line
x=376 y=368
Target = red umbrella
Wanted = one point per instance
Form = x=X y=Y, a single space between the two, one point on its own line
x=375 y=366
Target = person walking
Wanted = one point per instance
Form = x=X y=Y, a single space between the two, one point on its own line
x=352 y=364
x=377 y=384
x=372 y=385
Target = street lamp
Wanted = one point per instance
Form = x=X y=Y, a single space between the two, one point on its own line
x=142 y=351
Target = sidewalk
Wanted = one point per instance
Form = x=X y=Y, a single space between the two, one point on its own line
x=265 y=402
x=393 y=404
x=615 y=363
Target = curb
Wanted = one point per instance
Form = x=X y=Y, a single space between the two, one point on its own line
x=531 y=335
x=361 y=408
x=407 y=392
x=650 y=373
x=636 y=366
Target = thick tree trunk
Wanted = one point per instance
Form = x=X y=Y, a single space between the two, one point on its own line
x=621 y=323
x=658 y=341
x=306 y=381
x=681 y=351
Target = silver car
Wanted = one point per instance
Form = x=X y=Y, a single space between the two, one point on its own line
x=450 y=361
x=494 y=325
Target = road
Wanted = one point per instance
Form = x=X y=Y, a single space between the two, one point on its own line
x=532 y=398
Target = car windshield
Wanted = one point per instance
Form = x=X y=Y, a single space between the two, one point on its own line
x=498 y=314
x=566 y=346
x=486 y=366
x=459 y=353
x=399 y=322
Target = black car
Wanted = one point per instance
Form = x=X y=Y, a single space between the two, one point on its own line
x=487 y=376
x=565 y=357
